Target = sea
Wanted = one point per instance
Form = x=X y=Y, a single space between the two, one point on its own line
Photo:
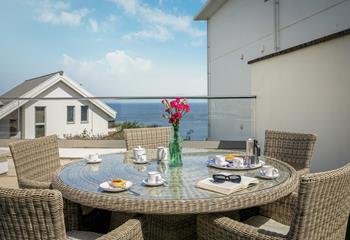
x=194 y=125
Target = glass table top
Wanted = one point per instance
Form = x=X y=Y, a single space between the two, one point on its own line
x=180 y=184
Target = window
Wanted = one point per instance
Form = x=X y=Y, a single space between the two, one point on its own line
x=84 y=114
x=39 y=122
x=70 y=114
x=13 y=127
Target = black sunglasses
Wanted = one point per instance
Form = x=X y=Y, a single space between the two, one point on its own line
x=221 y=178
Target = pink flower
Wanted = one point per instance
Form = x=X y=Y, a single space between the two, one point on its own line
x=172 y=120
x=179 y=107
x=173 y=104
x=177 y=115
x=175 y=110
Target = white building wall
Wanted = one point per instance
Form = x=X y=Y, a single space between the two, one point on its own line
x=56 y=114
x=243 y=30
x=308 y=91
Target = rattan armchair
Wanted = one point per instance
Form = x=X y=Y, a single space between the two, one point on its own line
x=38 y=214
x=293 y=148
x=35 y=161
x=319 y=211
x=147 y=137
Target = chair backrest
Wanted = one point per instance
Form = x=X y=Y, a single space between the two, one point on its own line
x=31 y=214
x=323 y=205
x=35 y=158
x=293 y=148
x=147 y=137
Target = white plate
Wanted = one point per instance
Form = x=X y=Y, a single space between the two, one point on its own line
x=258 y=174
x=93 y=161
x=108 y=188
x=145 y=181
x=245 y=167
x=139 y=162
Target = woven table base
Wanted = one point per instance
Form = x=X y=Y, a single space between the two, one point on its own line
x=171 y=227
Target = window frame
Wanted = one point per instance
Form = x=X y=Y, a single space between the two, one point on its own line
x=12 y=128
x=87 y=114
x=70 y=122
x=39 y=123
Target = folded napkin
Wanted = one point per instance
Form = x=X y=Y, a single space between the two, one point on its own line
x=227 y=187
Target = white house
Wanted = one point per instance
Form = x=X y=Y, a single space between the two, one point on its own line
x=30 y=118
x=294 y=56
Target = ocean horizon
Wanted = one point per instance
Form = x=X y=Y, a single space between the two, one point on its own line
x=194 y=125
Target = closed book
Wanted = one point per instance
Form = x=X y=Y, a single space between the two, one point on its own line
x=226 y=187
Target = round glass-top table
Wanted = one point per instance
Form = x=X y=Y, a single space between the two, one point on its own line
x=79 y=182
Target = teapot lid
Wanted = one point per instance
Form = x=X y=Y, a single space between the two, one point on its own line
x=139 y=148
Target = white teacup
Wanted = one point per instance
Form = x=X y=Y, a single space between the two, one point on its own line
x=154 y=177
x=141 y=158
x=269 y=171
x=238 y=162
x=139 y=151
x=220 y=160
x=93 y=157
x=162 y=153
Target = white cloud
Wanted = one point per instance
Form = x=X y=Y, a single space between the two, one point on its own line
x=59 y=13
x=158 y=17
x=120 y=74
x=122 y=64
x=130 y=6
x=157 y=33
x=117 y=64
x=93 y=24
x=105 y=25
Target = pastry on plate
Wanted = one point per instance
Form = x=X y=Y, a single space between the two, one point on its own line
x=118 y=183
x=230 y=157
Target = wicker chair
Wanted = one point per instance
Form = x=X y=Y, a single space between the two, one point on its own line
x=147 y=137
x=36 y=161
x=293 y=148
x=319 y=211
x=38 y=214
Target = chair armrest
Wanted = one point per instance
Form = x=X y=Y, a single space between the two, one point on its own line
x=130 y=230
x=281 y=210
x=303 y=171
x=32 y=184
x=216 y=226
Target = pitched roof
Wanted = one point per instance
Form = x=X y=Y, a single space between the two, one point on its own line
x=33 y=87
x=27 y=85
x=209 y=9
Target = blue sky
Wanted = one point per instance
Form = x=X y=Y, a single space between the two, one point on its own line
x=112 y=47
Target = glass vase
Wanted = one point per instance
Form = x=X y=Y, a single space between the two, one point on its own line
x=175 y=148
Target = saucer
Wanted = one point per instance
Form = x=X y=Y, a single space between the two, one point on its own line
x=139 y=162
x=231 y=166
x=108 y=188
x=145 y=181
x=93 y=161
x=258 y=174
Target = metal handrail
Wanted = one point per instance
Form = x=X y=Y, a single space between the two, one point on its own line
x=130 y=97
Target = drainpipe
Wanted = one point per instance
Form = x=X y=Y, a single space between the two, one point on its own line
x=276 y=24
x=19 y=120
x=208 y=78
